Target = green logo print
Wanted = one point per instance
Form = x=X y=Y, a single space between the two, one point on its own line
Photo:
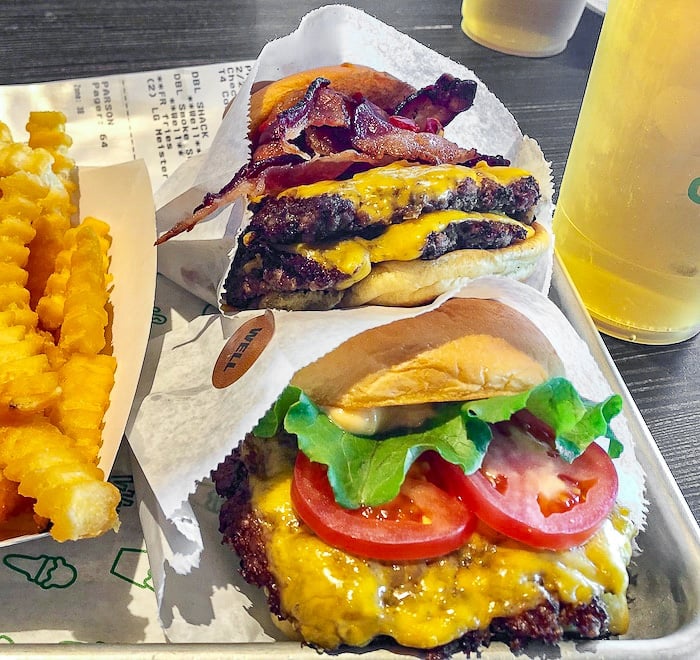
x=43 y=570
x=159 y=318
x=125 y=484
x=694 y=190
x=4 y=639
x=125 y=567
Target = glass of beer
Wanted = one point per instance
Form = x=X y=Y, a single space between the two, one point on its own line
x=627 y=222
x=529 y=28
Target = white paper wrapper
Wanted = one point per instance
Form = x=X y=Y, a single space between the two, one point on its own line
x=199 y=425
x=199 y=260
x=121 y=196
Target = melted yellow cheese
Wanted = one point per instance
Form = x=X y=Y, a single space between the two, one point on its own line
x=378 y=192
x=331 y=597
x=400 y=242
x=502 y=174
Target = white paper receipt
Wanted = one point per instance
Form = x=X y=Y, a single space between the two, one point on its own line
x=164 y=117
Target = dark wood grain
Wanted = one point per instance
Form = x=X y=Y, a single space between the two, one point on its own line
x=49 y=40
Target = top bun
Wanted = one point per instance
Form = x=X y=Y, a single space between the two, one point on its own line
x=381 y=88
x=468 y=348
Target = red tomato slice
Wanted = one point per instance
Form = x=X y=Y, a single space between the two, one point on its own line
x=422 y=522
x=526 y=491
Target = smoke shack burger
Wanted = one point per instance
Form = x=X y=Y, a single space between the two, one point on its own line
x=434 y=481
x=355 y=196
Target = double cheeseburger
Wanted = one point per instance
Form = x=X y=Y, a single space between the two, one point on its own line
x=435 y=482
x=355 y=196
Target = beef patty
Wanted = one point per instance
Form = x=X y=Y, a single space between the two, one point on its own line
x=248 y=532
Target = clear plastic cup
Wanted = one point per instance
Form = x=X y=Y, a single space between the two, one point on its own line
x=627 y=223
x=529 y=28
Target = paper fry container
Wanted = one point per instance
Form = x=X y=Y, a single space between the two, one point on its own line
x=199 y=260
x=121 y=196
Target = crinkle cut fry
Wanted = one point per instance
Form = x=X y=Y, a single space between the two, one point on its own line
x=87 y=375
x=54 y=463
x=81 y=267
x=47 y=131
x=85 y=316
x=78 y=303
x=27 y=382
x=68 y=490
x=86 y=382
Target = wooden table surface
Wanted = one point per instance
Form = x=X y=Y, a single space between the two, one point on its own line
x=42 y=41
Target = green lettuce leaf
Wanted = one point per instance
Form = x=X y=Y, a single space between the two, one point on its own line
x=370 y=471
x=576 y=421
x=272 y=421
x=365 y=471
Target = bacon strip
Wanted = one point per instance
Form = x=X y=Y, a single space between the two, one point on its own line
x=319 y=106
x=374 y=134
x=442 y=101
x=326 y=133
x=243 y=183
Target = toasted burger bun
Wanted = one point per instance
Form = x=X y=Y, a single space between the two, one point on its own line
x=466 y=349
x=381 y=88
x=418 y=282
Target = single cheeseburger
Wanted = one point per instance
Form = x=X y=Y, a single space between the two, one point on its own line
x=356 y=197
x=436 y=483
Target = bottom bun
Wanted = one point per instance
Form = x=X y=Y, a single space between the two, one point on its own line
x=412 y=283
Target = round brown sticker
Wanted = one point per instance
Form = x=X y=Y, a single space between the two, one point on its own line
x=242 y=349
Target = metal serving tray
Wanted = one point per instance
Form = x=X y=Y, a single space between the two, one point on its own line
x=665 y=577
